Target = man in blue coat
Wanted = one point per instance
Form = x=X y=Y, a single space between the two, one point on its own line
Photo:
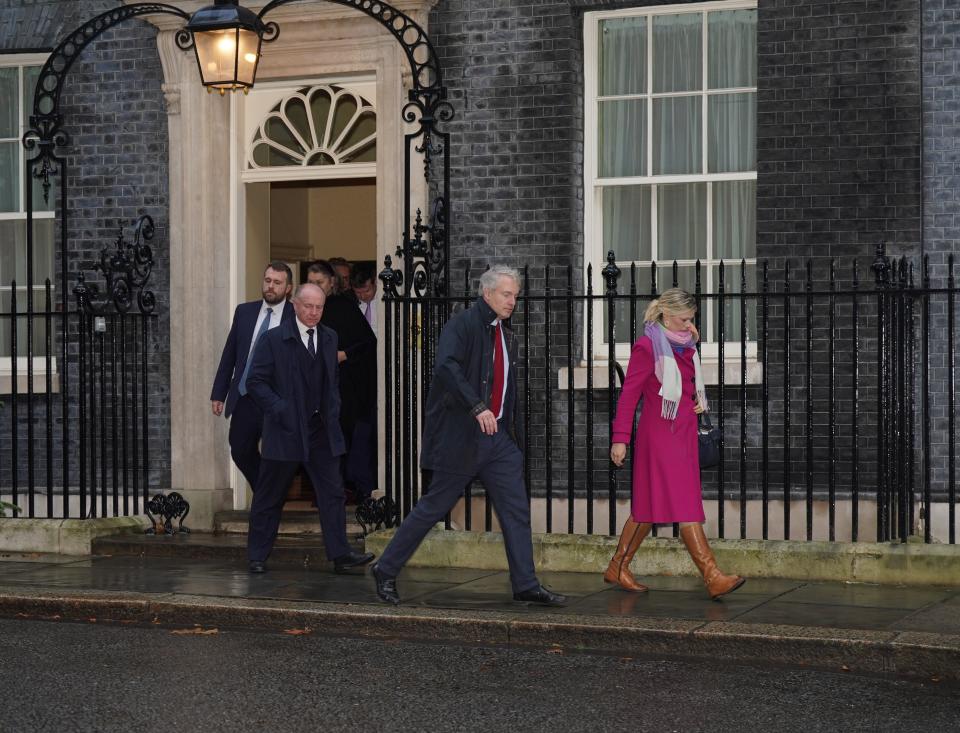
x=229 y=396
x=293 y=380
x=472 y=428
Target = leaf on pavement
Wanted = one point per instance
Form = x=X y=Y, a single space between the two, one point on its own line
x=196 y=631
x=298 y=632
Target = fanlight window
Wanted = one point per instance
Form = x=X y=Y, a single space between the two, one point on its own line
x=321 y=125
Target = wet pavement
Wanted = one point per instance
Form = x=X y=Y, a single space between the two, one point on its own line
x=887 y=630
x=760 y=601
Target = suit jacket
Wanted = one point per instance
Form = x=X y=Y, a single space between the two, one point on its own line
x=233 y=360
x=358 y=374
x=279 y=383
x=460 y=390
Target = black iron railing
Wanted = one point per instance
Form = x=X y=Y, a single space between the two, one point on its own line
x=834 y=386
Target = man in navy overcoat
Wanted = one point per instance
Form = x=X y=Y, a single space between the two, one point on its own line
x=293 y=379
x=472 y=429
x=229 y=396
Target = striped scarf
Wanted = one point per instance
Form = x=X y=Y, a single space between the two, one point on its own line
x=665 y=366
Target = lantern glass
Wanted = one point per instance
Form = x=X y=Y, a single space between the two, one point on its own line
x=227 y=57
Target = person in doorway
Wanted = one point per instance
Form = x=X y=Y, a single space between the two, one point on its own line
x=229 y=395
x=472 y=428
x=342 y=268
x=664 y=370
x=363 y=280
x=357 y=356
x=293 y=380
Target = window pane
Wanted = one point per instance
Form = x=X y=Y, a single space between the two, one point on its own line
x=623 y=138
x=11 y=241
x=732 y=305
x=732 y=43
x=732 y=139
x=677 y=61
x=39 y=325
x=682 y=221
x=626 y=222
x=686 y=277
x=8 y=102
x=623 y=56
x=30 y=76
x=677 y=143
x=13 y=251
x=10 y=176
x=735 y=220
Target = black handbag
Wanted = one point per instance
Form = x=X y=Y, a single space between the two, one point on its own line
x=709 y=439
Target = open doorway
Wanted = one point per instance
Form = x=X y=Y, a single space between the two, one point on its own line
x=299 y=222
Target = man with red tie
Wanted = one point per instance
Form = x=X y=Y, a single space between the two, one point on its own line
x=472 y=429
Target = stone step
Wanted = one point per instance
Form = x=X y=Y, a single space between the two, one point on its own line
x=300 y=550
x=305 y=522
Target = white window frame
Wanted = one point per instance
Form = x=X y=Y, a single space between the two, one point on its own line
x=39 y=362
x=593 y=185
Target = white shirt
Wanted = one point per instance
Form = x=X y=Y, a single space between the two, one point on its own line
x=305 y=337
x=275 y=319
x=372 y=307
x=506 y=366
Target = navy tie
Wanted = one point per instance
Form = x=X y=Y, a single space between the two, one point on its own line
x=311 y=347
x=264 y=327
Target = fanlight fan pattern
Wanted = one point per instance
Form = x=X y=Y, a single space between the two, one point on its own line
x=320 y=125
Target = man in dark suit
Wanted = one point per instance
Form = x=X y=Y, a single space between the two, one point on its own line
x=229 y=396
x=472 y=428
x=293 y=380
x=357 y=354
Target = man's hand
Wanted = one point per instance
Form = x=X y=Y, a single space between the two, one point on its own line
x=488 y=422
x=217 y=407
x=618 y=452
x=341 y=357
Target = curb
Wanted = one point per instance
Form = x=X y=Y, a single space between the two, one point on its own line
x=887 y=653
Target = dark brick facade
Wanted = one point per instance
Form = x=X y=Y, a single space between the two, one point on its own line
x=117 y=161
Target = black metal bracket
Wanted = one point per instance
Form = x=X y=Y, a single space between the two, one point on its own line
x=125 y=268
x=373 y=514
x=162 y=510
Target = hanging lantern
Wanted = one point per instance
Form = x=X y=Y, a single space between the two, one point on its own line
x=227 y=39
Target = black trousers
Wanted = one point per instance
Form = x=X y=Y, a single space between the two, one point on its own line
x=246 y=427
x=323 y=468
x=500 y=470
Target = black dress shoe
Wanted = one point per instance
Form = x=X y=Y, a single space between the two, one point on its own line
x=258 y=567
x=541 y=596
x=351 y=560
x=386 y=586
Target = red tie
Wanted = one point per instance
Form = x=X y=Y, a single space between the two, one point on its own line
x=496 y=398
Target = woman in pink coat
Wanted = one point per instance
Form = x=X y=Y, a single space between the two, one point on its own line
x=665 y=372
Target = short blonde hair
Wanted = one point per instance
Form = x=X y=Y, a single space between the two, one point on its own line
x=670 y=302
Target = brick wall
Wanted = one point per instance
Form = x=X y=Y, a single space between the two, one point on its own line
x=117 y=170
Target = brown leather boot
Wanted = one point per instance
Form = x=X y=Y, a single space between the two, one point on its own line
x=717 y=583
x=618 y=571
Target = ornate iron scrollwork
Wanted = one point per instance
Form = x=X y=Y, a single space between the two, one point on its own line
x=374 y=514
x=46 y=134
x=162 y=510
x=125 y=268
x=611 y=273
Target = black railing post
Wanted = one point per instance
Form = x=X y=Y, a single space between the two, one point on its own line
x=611 y=274
x=881 y=271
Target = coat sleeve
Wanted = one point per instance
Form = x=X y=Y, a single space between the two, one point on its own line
x=221 y=382
x=638 y=372
x=260 y=383
x=452 y=349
